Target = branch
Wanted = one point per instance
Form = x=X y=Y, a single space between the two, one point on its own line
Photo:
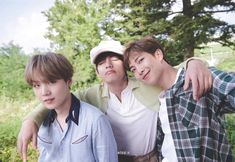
x=229 y=10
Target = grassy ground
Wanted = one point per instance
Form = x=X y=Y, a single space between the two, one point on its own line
x=219 y=56
x=11 y=114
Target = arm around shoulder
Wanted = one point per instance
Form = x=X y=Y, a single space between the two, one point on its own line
x=38 y=114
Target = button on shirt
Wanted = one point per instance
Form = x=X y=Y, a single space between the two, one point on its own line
x=87 y=138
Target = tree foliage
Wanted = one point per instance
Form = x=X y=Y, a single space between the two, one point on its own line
x=75 y=29
x=180 y=31
x=78 y=25
x=12 y=65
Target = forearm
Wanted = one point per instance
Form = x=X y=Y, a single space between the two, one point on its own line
x=37 y=115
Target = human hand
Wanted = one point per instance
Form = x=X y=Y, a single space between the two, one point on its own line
x=27 y=133
x=200 y=76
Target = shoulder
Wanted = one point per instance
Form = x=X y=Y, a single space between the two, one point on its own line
x=222 y=77
x=91 y=94
x=90 y=111
x=92 y=90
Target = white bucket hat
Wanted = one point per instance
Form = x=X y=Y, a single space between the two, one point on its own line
x=106 y=46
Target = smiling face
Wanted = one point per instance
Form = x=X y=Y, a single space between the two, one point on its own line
x=110 y=68
x=146 y=67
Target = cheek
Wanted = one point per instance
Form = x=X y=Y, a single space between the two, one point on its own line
x=100 y=72
x=137 y=76
x=37 y=93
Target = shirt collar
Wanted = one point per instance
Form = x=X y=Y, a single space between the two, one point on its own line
x=73 y=113
x=179 y=81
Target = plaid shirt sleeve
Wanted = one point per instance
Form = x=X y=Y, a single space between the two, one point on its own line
x=197 y=126
x=224 y=89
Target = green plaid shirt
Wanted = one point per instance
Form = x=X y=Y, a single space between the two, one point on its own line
x=197 y=126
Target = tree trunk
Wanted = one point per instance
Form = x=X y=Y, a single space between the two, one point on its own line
x=190 y=44
x=189 y=52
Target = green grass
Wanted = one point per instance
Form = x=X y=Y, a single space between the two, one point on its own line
x=11 y=114
x=223 y=57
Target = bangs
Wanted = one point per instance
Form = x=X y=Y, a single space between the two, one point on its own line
x=42 y=69
x=38 y=75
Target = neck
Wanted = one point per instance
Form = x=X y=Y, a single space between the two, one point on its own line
x=63 y=111
x=118 y=87
x=168 y=77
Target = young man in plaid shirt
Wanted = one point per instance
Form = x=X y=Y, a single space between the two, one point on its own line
x=192 y=131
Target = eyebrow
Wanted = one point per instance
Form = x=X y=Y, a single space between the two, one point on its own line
x=134 y=61
x=137 y=57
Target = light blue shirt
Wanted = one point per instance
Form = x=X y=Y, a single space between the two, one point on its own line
x=89 y=139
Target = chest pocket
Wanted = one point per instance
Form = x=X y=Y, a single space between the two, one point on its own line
x=79 y=140
x=188 y=111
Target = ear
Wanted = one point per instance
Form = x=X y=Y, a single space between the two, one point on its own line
x=69 y=82
x=158 y=54
x=96 y=71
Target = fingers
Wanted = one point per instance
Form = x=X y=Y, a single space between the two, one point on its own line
x=24 y=151
x=27 y=133
x=200 y=76
x=34 y=140
x=208 y=82
x=195 y=86
x=201 y=87
x=186 y=82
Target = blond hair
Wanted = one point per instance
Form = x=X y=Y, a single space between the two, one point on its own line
x=50 y=66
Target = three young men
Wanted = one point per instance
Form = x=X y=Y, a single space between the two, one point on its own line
x=131 y=107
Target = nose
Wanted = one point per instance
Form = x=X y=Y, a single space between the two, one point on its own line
x=140 y=70
x=45 y=90
x=108 y=63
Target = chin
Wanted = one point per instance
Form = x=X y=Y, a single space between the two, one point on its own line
x=50 y=107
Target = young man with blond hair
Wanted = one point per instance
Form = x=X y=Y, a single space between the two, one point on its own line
x=73 y=130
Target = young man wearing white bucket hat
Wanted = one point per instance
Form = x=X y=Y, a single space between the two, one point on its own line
x=130 y=106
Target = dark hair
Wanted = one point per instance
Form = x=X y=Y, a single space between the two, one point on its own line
x=103 y=55
x=147 y=44
x=50 y=66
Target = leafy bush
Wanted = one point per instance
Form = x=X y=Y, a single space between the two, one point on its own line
x=230 y=125
x=8 y=135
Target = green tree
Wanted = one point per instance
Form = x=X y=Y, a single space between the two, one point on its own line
x=180 y=31
x=75 y=29
x=12 y=64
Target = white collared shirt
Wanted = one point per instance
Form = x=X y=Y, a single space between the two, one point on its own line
x=168 y=147
x=133 y=124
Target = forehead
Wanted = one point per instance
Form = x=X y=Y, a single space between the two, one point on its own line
x=133 y=56
x=38 y=77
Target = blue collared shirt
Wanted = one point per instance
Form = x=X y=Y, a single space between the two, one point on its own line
x=87 y=138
